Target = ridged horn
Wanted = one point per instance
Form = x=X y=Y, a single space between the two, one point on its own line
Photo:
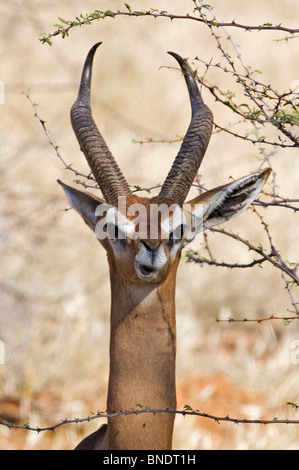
x=185 y=166
x=102 y=164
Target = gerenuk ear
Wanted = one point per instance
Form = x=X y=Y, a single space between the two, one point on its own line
x=85 y=204
x=221 y=204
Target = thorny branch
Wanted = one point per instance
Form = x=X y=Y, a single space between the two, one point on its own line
x=288 y=270
x=56 y=148
x=286 y=320
x=63 y=28
x=187 y=411
x=278 y=109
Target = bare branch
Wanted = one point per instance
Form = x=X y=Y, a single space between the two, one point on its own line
x=56 y=148
x=187 y=411
x=257 y=320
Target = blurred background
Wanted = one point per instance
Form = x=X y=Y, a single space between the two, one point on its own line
x=54 y=285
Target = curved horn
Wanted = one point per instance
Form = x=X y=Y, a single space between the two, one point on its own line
x=102 y=164
x=188 y=160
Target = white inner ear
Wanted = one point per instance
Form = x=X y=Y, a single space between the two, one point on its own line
x=218 y=206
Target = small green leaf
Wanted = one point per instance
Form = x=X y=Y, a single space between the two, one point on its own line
x=63 y=20
x=213 y=23
x=188 y=408
x=44 y=39
x=228 y=103
x=110 y=13
x=293 y=405
x=230 y=94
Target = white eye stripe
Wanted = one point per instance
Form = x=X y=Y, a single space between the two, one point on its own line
x=110 y=215
x=172 y=218
x=171 y=224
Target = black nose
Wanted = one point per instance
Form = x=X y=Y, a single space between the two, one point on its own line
x=146 y=270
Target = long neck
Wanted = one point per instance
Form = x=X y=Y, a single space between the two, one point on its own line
x=142 y=363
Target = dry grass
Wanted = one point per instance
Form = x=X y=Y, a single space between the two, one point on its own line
x=54 y=317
